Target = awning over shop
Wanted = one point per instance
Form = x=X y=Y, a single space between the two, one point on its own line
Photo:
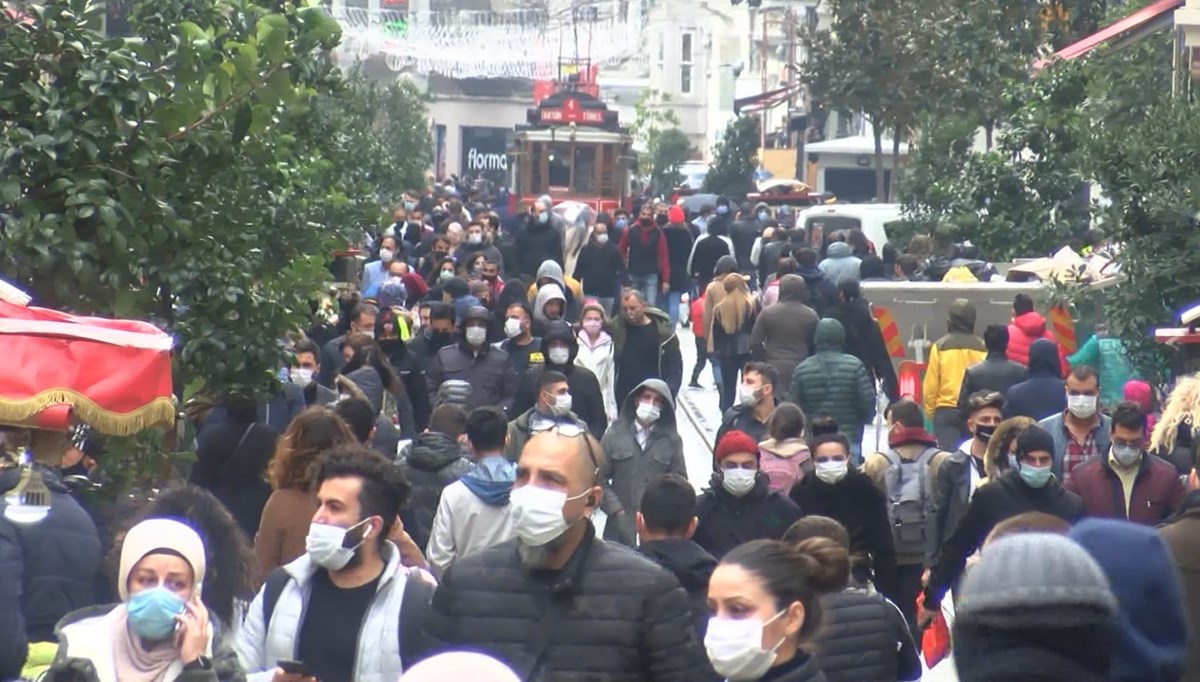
x=764 y=100
x=1146 y=20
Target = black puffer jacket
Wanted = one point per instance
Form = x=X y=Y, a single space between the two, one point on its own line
x=488 y=373
x=587 y=400
x=725 y=521
x=864 y=637
x=858 y=505
x=49 y=569
x=691 y=565
x=625 y=618
x=432 y=462
x=537 y=242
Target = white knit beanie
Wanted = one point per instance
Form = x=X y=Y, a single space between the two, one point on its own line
x=155 y=534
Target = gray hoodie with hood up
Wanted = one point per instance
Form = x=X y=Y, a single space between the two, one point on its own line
x=628 y=467
x=840 y=264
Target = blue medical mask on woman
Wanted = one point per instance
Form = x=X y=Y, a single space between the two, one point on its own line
x=152 y=613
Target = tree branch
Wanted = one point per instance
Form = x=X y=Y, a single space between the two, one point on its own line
x=222 y=108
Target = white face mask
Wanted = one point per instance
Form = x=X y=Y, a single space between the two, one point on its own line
x=559 y=356
x=746 y=395
x=561 y=405
x=1126 y=455
x=648 y=413
x=301 y=376
x=738 y=482
x=735 y=647
x=476 y=336
x=1082 y=406
x=324 y=544
x=602 y=238
x=512 y=327
x=832 y=472
x=538 y=513
x=474 y=238
x=386 y=255
x=592 y=326
x=369 y=332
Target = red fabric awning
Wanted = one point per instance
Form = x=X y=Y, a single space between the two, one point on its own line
x=113 y=374
x=1138 y=20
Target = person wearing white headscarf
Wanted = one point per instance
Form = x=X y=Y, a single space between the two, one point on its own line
x=161 y=631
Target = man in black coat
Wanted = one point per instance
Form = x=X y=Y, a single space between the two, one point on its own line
x=665 y=524
x=558 y=603
x=744 y=231
x=537 y=241
x=47 y=569
x=841 y=492
x=559 y=348
x=600 y=268
x=709 y=249
x=996 y=372
x=1027 y=488
x=476 y=362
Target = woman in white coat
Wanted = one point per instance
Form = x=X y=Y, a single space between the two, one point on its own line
x=596 y=354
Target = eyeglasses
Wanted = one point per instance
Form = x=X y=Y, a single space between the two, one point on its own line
x=569 y=430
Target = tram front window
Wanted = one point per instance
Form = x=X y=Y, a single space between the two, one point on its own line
x=585 y=170
x=558 y=167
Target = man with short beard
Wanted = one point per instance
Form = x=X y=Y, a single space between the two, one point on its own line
x=557 y=602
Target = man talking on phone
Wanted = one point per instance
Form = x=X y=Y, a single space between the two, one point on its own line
x=346 y=609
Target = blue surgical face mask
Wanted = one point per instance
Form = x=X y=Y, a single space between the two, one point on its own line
x=543 y=217
x=1036 y=477
x=722 y=210
x=152 y=613
x=762 y=216
x=621 y=222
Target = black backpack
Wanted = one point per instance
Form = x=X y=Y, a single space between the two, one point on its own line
x=418 y=594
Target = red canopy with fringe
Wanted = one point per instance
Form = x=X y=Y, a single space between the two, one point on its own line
x=113 y=374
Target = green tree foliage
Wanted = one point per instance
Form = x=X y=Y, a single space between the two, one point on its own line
x=670 y=149
x=199 y=175
x=735 y=159
x=662 y=145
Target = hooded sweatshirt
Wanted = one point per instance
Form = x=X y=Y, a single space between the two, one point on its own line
x=1043 y=394
x=473 y=513
x=571 y=287
x=547 y=293
x=1151 y=631
x=587 y=399
x=950 y=357
x=840 y=264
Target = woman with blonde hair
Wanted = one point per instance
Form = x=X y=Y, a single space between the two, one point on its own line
x=997 y=459
x=1174 y=434
x=285 y=519
x=733 y=322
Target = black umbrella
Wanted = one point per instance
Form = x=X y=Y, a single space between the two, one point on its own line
x=695 y=202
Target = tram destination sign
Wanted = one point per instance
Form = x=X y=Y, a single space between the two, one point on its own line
x=571 y=112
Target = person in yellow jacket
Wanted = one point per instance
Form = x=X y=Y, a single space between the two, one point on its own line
x=949 y=359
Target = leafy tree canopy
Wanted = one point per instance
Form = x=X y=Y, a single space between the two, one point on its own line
x=735 y=159
x=198 y=175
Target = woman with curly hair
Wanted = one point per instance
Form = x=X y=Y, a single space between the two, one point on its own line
x=291 y=506
x=1177 y=431
x=1003 y=443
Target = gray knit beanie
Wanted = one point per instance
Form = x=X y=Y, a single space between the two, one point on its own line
x=1035 y=579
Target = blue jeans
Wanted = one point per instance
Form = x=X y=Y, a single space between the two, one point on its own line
x=648 y=285
x=673 y=300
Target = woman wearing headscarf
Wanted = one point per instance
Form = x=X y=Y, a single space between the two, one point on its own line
x=161 y=630
x=733 y=322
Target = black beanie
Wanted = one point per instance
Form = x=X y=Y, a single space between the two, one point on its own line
x=1035 y=439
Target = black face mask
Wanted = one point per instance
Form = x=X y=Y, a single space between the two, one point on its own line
x=984 y=433
x=660 y=220
x=77 y=470
x=441 y=339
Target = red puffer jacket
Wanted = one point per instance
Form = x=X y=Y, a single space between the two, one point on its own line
x=1157 y=490
x=1023 y=331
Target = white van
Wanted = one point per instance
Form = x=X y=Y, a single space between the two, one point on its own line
x=872 y=219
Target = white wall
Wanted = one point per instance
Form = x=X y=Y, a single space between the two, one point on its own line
x=457 y=112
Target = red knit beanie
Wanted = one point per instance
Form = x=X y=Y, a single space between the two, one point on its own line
x=675 y=214
x=734 y=442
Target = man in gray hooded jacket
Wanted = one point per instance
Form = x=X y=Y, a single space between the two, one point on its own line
x=840 y=263
x=640 y=446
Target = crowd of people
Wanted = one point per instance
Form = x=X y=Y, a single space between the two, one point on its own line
x=423 y=498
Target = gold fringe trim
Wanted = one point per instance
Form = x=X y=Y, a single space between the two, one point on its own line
x=158 y=412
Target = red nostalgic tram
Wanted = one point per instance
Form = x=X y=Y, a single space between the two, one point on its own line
x=573 y=149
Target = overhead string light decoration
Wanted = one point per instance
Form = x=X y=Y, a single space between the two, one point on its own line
x=472 y=44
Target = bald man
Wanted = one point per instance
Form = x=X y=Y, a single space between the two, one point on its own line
x=558 y=603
